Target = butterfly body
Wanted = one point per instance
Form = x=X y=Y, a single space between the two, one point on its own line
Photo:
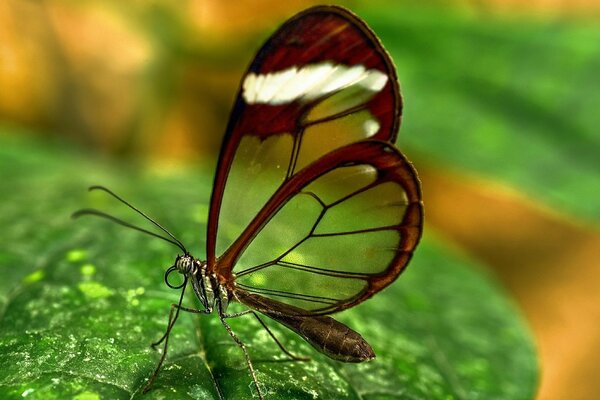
x=324 y=333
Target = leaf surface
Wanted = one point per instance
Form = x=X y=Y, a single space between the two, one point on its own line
x=82 y=300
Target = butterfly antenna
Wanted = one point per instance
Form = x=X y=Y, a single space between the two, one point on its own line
x=97 y=213
x=113 y=194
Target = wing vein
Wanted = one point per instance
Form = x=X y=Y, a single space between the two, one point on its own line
x=367 y=230
x=323 y=271
x=291 y=295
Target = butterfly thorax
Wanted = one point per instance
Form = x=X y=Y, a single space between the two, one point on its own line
x=206 y=285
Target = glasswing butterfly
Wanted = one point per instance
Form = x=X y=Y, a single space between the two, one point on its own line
x=313 y=209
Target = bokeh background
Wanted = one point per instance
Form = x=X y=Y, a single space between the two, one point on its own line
x=501 y=120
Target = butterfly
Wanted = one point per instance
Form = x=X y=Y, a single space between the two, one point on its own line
x=313 y=209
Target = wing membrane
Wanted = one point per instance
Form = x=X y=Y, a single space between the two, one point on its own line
x=324 y=247
x=321 y=82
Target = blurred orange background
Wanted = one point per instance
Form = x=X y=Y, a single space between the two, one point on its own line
x=155 y=80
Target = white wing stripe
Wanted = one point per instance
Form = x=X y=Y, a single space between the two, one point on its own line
x=308 y=83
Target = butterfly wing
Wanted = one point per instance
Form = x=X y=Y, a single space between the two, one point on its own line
x=334 y=234
x=312 y=205
x=320 y=82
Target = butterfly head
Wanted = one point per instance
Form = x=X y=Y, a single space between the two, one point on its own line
x=186 y=264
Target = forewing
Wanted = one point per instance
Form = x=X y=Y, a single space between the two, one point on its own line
x=335 y=233
x=322 y=81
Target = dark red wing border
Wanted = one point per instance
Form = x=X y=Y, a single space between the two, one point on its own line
x=319 y=34
x=391 y=165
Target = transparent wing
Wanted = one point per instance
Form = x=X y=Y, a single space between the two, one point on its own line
x=335 y=233
x=322 y=81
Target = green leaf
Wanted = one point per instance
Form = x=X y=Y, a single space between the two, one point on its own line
x=513 y=99
x=82 y=300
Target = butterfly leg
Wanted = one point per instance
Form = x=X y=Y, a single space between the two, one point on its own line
x=172 y=322
x=241 y=344
x=165 y=337
x=281 y=346
x=277 y=341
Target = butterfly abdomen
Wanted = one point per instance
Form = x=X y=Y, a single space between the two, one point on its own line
x=335 y=339
x=324 y=333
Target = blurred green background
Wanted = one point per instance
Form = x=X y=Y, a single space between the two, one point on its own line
x=501 y=120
